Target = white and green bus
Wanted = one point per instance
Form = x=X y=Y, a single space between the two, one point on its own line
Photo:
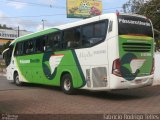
x=106 y=52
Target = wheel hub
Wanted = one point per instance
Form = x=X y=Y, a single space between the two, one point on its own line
x=67 y=84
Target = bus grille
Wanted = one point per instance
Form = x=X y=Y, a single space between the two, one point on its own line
x=136 y=47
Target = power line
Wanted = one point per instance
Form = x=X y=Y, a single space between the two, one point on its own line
x=44 y=5
x=38 y=4
x=49 y=5
x=31 y=16
x=115 y=8
x=51 y=15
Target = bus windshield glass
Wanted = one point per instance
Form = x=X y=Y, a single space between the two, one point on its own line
x=7 y=55
x=132 y=25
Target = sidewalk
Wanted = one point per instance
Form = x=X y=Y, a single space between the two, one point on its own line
x=2 y=67
x=157 y=69
x=2 y=74
x=156 y=82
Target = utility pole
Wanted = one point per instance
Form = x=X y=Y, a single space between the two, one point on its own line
x=43 y=23
x=18 y=31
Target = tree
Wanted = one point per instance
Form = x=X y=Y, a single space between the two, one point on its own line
x=133 y=6
x=5 y=46
x=150 y=9
x=4 y=26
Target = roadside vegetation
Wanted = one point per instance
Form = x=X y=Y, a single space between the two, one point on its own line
x=2 y=66
x=150 y=9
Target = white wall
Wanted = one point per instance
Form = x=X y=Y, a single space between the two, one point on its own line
x=157 y=68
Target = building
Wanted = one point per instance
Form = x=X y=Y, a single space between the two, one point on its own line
x=9 y=35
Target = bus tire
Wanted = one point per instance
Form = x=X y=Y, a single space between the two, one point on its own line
x=66 y=84
x=16 y=79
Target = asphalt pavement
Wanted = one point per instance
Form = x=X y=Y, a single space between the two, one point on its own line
x=1 y=57
x=40 y=99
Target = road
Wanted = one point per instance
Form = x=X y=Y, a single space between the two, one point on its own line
x=1 y=57
x=39 y=99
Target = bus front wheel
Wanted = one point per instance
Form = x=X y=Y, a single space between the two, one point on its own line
x=66 y=84
x=16 y=79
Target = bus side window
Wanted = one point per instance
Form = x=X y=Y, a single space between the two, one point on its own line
x=40 y=43
x=8 y=55
x=99 y=32
x=19 y=49
x=53 y=42
x=29 y=46
x=56 y=41
x=87 y=33
x=68 y=38
x=94 y=33
x=77 y=34
x=100 y=29
x=72 y=38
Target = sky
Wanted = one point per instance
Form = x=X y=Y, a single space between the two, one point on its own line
x=28 y=14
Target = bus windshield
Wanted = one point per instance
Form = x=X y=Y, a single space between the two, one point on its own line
x=7 y=54
x=132 y=25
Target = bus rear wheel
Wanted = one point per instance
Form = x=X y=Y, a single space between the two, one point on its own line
x=16 y=80
x=66 y=84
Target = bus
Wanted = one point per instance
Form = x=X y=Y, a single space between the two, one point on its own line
x=107 y=52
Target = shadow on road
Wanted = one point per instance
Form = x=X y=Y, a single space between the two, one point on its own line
x=130 y=94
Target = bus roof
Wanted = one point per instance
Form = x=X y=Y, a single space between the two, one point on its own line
x=60 y=27
x=136 y=15
x=65 y=26
x=33 y=35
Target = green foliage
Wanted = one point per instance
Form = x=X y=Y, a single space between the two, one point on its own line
x=5 y=46
x=5 y=27
x=133 y=6
x=150 y=9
